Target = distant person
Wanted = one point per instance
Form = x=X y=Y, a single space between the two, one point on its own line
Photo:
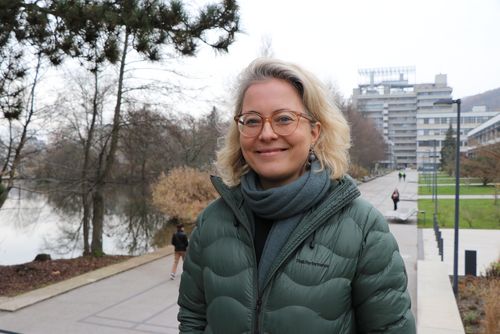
x=400 y=176
x=290 y=246
x=404 y=176
x=180 y=242
x=395 y=198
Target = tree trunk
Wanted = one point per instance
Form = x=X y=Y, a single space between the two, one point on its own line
x=85 y=169
x=97 y=221
x=98 y=217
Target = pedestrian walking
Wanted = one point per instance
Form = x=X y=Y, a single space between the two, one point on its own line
x=400 y=176
x=395 y=198
x=180 y=242
x=290 y=247
x=404 y=176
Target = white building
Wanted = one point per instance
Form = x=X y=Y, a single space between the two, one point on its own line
x=487 y=133
x=433 y=125
x=392 y=100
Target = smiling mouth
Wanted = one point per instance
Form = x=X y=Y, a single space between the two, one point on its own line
x=271 y=151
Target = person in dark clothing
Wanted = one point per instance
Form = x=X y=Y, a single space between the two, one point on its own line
x=180 y=242
x=400 y=176
x=395 y=198
x=404 y=176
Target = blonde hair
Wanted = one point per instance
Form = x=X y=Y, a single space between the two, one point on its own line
x=333 y=144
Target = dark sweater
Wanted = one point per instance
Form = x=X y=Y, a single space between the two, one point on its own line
x=262 y=228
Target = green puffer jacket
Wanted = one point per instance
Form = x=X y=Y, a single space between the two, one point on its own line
x=339 y=272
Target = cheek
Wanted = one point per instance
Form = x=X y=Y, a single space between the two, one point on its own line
x=245 y=146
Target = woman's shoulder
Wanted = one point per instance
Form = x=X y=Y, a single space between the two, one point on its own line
x=365 y=215
x=216 y=211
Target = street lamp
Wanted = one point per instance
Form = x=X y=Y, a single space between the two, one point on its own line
x=457 y=191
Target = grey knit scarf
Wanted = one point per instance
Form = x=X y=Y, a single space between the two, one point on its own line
x=285 y=206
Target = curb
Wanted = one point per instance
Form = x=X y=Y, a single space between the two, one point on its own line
x=12 y=304
x=437 y=308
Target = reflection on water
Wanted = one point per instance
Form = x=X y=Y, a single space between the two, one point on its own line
x=49 y=221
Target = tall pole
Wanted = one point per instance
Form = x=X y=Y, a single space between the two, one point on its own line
x=457 y=199
x=435 y=182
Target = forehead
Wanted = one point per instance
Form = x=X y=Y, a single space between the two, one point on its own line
x=271 y=94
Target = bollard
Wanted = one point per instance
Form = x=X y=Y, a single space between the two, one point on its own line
x=470 y=262
x=441 y=248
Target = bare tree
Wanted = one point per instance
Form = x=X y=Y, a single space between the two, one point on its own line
x=368 y=145
x=483 y=163
x=266 y=47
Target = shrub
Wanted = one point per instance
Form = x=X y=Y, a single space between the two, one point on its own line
x=357 y=172
x=493 y=271
x=471 y=317
x=183 y=193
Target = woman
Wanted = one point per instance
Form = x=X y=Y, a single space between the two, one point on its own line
x=395 y=198
x=290 y=247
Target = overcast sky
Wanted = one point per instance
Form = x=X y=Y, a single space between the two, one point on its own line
x=335 y=38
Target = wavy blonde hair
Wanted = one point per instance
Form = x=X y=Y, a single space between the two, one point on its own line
x=333 y=144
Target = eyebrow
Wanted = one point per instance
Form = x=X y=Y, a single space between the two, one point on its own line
x=277 y=110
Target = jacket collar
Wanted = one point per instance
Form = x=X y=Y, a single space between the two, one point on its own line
x=342 y=192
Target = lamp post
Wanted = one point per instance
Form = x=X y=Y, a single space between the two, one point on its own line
x=457 y=190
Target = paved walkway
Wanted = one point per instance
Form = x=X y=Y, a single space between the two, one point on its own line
x=140 y=300
x=485 y=242
x=378 y=192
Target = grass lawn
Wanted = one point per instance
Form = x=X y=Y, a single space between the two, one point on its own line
x=464 y=190
x=474 y=213
x=427 y=179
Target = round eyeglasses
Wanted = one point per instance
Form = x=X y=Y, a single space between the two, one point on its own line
x=283 y=122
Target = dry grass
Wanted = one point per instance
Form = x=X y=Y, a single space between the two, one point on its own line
x=479 y=302
x=492 y=308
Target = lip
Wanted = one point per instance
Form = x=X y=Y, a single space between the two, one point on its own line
x=269 y=151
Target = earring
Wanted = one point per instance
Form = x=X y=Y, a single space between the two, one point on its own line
x=311 y=157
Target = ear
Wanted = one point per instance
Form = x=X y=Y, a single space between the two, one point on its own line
x=315 y=132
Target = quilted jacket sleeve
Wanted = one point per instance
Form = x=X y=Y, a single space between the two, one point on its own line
x=380 y=299
x=192 y=313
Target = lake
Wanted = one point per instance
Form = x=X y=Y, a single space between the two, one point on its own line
x=49 y=221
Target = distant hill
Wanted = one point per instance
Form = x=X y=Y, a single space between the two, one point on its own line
x=490 y=99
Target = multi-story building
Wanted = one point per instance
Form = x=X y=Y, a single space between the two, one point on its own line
x=485 y=134
x=405 y=113
x=391 y=99
x=432 y=126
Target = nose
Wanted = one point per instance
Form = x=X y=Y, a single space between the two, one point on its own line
x=267 y=132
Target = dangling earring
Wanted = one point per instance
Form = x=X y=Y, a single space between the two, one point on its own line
x=311 y=157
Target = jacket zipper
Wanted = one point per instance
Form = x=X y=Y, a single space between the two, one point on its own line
x=258 y=304
x=257 y=314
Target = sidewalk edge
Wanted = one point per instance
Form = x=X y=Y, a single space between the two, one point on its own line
x=12 y=304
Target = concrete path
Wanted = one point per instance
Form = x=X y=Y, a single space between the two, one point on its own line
x=485 y=242
x=141 y=300
x=378 y=192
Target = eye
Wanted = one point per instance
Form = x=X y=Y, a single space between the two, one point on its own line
x=283 y=118
x=250 y=120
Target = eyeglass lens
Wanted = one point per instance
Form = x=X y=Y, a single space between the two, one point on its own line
x=283 y=123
